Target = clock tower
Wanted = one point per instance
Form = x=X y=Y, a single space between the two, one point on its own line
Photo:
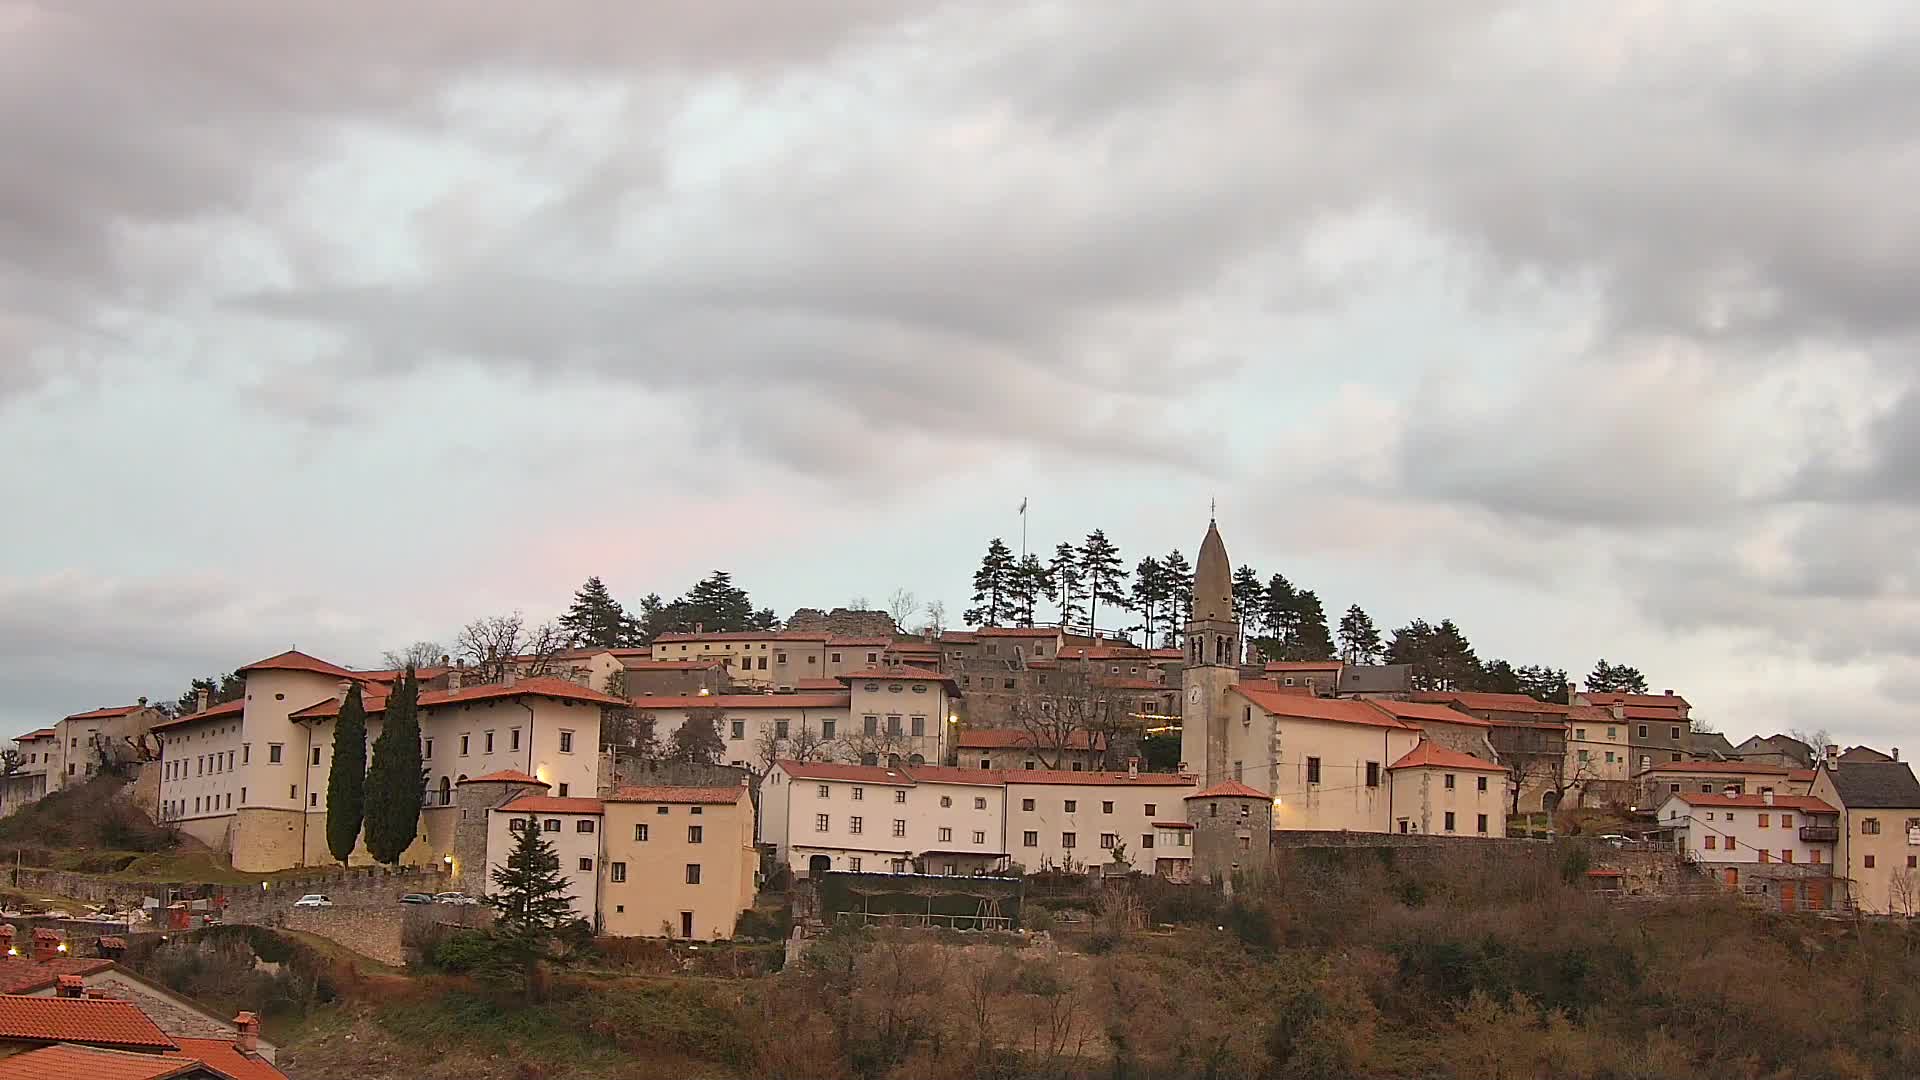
x=1212 y=663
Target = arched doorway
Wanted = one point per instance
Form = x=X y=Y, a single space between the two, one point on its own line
x=917 y=759
x=446 y=792
x=818 y=866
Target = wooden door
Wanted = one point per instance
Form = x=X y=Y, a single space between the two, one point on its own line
x=1816 y=895
x=1731 y=877
x=1788 y=896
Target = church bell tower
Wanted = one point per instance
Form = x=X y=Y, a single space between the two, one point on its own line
x=1212 y=663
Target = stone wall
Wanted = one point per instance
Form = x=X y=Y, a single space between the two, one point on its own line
x=378 y=889
x=1339 y=838
x=88 y=887
x=842 y=622
x=628 y=773
x=371 y=932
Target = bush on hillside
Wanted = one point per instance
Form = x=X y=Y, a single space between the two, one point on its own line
x=89 y=815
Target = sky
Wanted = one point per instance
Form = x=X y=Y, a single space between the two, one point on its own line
x=1588 y=327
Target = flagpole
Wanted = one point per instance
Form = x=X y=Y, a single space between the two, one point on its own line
x=1023 y=528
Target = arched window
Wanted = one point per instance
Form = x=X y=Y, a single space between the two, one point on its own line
x=917 y=759
x=893 y=761
x=446 y=791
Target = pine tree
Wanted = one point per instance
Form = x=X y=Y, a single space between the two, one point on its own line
x=1180 y=586
x=1064 y=571
x=396 y=782
x=1359 y=638
x=530 y=894
x=1031 y=584
x=993 y=586
x=1455 y=665
x=1311 y=641
x=1616 y=679
x=1441 y=657
x=347 y=780
x=697 y=740
x=1105 y=575
x=1150 y=595
x=1543 y=683
x=1280 y=608
x=597 y=620
x=1247 y=602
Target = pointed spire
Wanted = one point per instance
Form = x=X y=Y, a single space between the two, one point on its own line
x=1213 y=579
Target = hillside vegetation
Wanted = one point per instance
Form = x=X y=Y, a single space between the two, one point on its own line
x=88 y=817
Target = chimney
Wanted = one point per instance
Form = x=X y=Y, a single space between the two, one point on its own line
x=454 y=675
x=47 y=945
x=70 y=986
x=201 y=699
x=1133 y=768
x=1833 y=753
x=1620 y=714
x=1573 y=691
x=6 y=939
x=445 y=660
x=1731 y=791
x=143 y=702
x=246 y=1035
x=509 y=676
x=1669 y=693
x=1896 y=753
x=1766 y=796
x=98 y=993
x=699 y=628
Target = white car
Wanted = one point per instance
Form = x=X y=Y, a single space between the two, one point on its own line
x=454 y=898
x=313 y=900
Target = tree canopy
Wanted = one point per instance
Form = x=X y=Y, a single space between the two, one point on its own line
x=347 y=777
x=396 y=781
x=596 y=620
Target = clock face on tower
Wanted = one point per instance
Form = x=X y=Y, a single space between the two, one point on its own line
x=1193 y=695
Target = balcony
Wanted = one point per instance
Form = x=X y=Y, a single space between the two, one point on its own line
x=1819 y=834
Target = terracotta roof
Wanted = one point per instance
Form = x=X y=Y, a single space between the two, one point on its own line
x=742 y=635
x=726 y=702
x=93 y=1021
x=1668 y=716
x=1431 y=755
x=1804 y=803
x=1800 y=776
x=901 y=671
x=1472 y=699
x=25 y=975
x=1413 y=711
x=107 y=714
x=221 y=711
x=957 y=637
x=915 y=646
x=1737 y=768
x=548 y=804
x=87 y=1063
x=818 y=685
x=705 y=796
x=942 y=774
x=1010 y=738
x=538 y=686
x=1303 y=707
x=1104 y=652
x=1167 y=654
x=834 y=770
x=1228 y=789
x=1017 y=631
x=640 y=663
x=859 y=642
x=43 y=733
x=1658 y=701
x=295 y=660
x=1304 y=665
x=1096 y=779
x=506 y=776
x=227 y=1058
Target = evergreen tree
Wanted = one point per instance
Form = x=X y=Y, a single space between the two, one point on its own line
x=1359 y=638
x=1105 y=576
x=530 y=895
x=1616 y=679
x=1280 y=613
x=1311 y=641
x=1455 y=664
x=1441 y=657
x=220 y=690
x=697 y=740
x=597 y=620
x=656 y=618
x=1032 y=583
x=1499 y=677
x=347 y=780
x=1150 y=595
x=396 y=782
x=1247 y=602
x=1064 y=572
x=1180 y=586
x=1543 y=683
x=993 y=587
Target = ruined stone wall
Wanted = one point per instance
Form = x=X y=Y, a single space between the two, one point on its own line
x=842 y=622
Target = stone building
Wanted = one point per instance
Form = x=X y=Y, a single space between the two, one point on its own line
x=1232 y=833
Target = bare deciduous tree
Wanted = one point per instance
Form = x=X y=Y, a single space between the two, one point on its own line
x=11 y=761
x=492 y=645
x=805 y=744
x=936 y=621
x=420 y=654
x=902 y=605
x=1903 y=893
x=1067 y=709
x=879 y=747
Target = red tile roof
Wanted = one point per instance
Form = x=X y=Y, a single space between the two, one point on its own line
x=834 y=770
x=729 y=702
x=540 y=686
x=1011 y=738
x=1017 y=631
x=905 y=672
x=93 y=1021
x=859 y=642
x=1228 y=789
x=1637 y=712
x=506 y=776
x=1303 y=707
x=224 y=710
x=43 y=733
x=1485 y=702
x=742 y=635
x=87 y=1063
x=1096 y=779
x=1800 y=776
x=1304 y=665
x=643 y=664
x=1415 y=711
x=1804 y=803
x=107 y=714
x=957 y=637
x=1431 y=755
x=548 y=804
x=1657 y=701
x=941 y=774
x=227 y=1058
x=1738 y=768
x=818 y=685
x=1104 y=652
x=25 y=975
x=295 y=660
x=704 y=796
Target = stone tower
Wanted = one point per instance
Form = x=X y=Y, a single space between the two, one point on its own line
x=1232 y=832
x=1212 y=665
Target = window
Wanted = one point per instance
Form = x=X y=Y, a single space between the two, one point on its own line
x=1674 y=734
x=466 y=742
x=316 y=755
x=979 y=802
x=426 y=748
x=1763 y=820
x=763 y=663
x=853 y=863
x=1449 y=783
x=873 y=658
x=584 y=825
x=697 y=833
x=870 y=724
x=1643 y=731
x=1482 y=824
x=780 y=658
x=273 y=753
x=1814 y=856
x=586 y=863
x=1072 y=805
x=900 y=796
x=946 y=801
x=820 y=822
x=313 y=798
x=1066 y=840
x=1579 y=734
x=640 y=832
x=1870 y=826
x=836 y=658
x=563 y=791
x=616 y=872
x=1237 y=777
x=246 y=753
x=823 y=791
x=1108 y=841
x=859 y=794
x=1030 y=839
x=513 y=739
x=899 y=827
x=293 y=791
x=693 y=875
x=489 y=742
x=1609 y=757
x=780 y=729
x=826 y=729
x=1911 y=860
x=1313 y=770
x=566 y=742
x=1712 y=842
x=1786 y=854
x=1373 y=774
x=893 y=725
x=854 y=825
x=739 y=730
x=1027 y=805
x=1786 y=821
x=1106 y=807
x=946 y=836
x=1867 y=861
x=979 y=836
x=1449 y=821
x=550 y=825
x=1482 y=784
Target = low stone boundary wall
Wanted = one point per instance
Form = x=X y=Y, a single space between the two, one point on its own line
x=1340 y=838
x=376 y=889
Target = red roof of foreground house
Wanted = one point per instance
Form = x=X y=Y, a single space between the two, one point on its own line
x=1800 y=776
x=548 y=804
x=868 y=642
x=43 y=733
x=295 y=660
x=903 y=671
x=1095 y=779
x=1414 y=711
x=225 y=1057
x=1011 y=738
x=1304 y=707
x=833 y=770
x=828 y=685
x=1653 y=701
x=539 y=686
x=1738 y=768
x=1485 y=702
x=1431 y=755
x=1228 y=789
x=507 y=776
x=86 y=1063
x=222 y=711
x=728 y=702
x=92 y=1021
x=25 y=975
x=1803 y=803
x=704 y=796
x=108 y=714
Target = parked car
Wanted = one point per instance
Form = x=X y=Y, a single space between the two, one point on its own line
x=313 y=900
x=416 y=898
x=454 y=898
x=1613 y=840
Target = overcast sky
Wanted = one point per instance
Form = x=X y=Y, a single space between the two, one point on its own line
x=1588 y=326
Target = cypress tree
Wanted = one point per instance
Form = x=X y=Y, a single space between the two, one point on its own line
x=347 y=783
x=397 y=781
